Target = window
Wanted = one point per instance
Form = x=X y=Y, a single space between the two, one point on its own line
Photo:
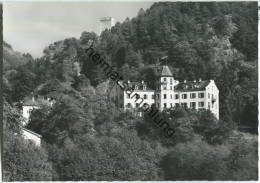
x=208 y=95
x=145 y=96
x=164 y=96
x=184 y=96
x=208 y=105
x=29 y=111
x=201 y=104
x=171 y=80
x=164 y=105
x=152 y=96
x=164 y=79
x=137 y=105
x=121 y=96
x=171 y=87
x=128 y=105
x=171 y=104
x=171 y=96
x=164 y=87
x=193 y=95
x=158 y=105
x=137 y=96
x=184 y=105
x=144 y=87
x=193 y=105
x=158 y=96
x=176 y=96
x=136 y=87
x=177 y=104
x=201 y=95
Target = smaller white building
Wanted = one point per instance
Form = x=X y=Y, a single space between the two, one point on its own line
x=33 y=102
x=31 y=136
x=30 y=103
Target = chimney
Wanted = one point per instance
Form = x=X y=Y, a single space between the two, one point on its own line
x=194 y=81
x=184 y=81
x=200 y=80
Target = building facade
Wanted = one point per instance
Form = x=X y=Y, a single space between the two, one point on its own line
x=30 y=103
x=169 y=93
x=34 y=102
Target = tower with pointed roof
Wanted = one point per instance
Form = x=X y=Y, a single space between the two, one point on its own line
x=164 y=87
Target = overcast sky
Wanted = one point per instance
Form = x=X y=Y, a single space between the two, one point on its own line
x=30 y=27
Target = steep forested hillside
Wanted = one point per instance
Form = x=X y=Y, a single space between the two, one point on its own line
x=202 y=40
x=13 y=59
x=87 y=138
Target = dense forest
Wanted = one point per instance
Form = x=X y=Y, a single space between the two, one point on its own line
x=85 y=137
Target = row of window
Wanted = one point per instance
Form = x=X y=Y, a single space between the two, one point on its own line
x=192 y=105
x=184 y=104
x=164 y=79
x=183 y=96
x=137 y=96
x=192 y=95
x=143 y=87
x=165 y=88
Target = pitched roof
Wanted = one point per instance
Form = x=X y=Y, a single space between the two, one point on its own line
x=31 y=132
x=28 y=101
x=140 y=85
x=192 y=85
x=166 y=71
x=37 y=100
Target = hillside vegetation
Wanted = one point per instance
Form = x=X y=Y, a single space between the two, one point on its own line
x=88 y=138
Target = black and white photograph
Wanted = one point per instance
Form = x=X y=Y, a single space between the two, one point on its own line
x=129 y=91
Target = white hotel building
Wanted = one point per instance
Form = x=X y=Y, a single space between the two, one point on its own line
x=170 y=93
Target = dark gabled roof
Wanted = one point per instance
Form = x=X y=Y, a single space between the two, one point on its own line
x=192 y=85
x=28 y=101
x=166 y=71
x=140 y=85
